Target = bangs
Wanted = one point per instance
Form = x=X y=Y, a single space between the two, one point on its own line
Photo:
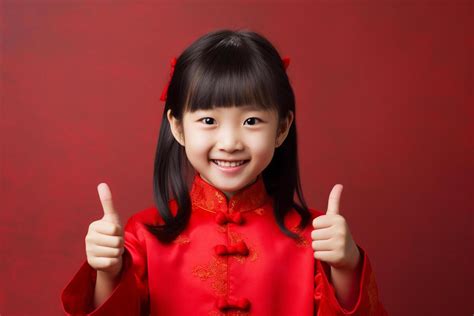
x=228 y=79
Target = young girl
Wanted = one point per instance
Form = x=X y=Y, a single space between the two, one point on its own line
x=226 y=236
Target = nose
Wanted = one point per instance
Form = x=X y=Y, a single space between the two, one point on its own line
x=229 y=140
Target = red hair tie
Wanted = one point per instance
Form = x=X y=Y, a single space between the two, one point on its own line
x=285 y=60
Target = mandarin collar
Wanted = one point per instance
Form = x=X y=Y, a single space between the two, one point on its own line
x=206 y=196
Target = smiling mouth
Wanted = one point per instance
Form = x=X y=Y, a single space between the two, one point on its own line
x=226 y=164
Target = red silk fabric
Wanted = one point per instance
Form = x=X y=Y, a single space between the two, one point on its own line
x=232 y=259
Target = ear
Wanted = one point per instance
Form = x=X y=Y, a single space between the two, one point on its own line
x=176 y=127
x=284 y=128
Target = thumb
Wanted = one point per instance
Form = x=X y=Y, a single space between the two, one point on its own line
x=105 y=195
x=334 y=200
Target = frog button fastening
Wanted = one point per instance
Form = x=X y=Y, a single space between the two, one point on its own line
x=239 y=248
x=223 y=218
x=226 y=303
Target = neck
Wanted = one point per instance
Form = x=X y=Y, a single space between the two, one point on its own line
x=228 y=195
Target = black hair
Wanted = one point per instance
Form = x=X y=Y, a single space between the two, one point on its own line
x=226 y=68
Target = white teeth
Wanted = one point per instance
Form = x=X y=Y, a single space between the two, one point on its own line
x=229 y=164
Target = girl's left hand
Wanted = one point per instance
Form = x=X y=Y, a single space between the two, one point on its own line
x=332 y=239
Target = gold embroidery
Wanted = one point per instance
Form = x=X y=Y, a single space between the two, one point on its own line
x=216 y=272
x=302 y=242
x=253 y=254
x=210 y=203
x=207 y=197
x=221 y=229
x=259 y=211
x=219 y=197
x=235 y=237
x=181 y=239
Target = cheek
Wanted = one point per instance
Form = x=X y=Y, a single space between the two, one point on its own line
x=263 y=148
x=197 y=145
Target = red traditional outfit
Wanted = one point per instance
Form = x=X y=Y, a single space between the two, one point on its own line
x=232 y=259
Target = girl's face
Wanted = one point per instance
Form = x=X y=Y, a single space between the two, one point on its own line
x=230 y=134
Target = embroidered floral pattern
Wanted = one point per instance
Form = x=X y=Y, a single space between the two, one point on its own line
x=207 y=197
x=215 y=272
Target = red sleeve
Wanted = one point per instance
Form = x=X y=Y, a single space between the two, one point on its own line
x=130 y=296
x=368 y=302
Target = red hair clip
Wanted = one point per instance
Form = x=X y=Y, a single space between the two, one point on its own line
x=165 y=90
x=286 y=63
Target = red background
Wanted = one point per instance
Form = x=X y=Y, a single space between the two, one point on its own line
x=384 y=106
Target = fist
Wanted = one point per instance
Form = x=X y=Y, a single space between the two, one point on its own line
x=105 y=237
x=332 y=239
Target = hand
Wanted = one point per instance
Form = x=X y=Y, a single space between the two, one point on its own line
x=105 y=238
x=332 y=240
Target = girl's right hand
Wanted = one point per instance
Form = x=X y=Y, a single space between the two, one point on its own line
x=105 y=238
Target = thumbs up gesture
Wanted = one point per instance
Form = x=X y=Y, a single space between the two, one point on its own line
x=105 y=238
x=332 y=240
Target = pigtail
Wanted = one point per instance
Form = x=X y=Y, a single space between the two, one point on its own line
x=282 y=180
x=168 y=176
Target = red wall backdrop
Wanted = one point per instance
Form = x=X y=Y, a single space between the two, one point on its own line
x=384 y=106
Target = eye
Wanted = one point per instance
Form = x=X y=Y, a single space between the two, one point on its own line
x=252 y=120
x=207 y=120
